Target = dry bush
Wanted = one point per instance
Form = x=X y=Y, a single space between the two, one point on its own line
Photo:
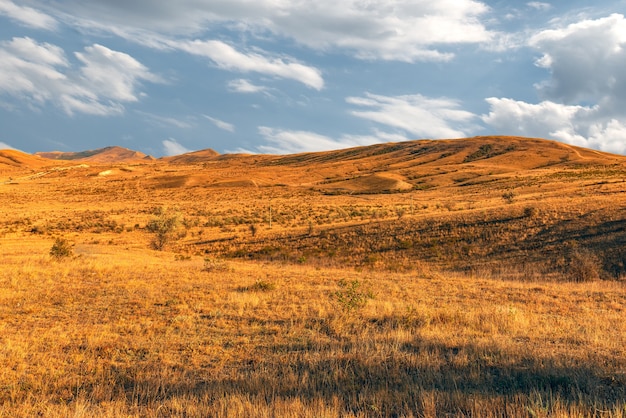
x=583 y=266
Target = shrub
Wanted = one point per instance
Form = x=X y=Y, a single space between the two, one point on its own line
x=163 y=227
x=214 y=265
x=584 y=265
x=61 y=249
x=508 y=196
x=258 y=286
x=350 y=296
x=531 y=212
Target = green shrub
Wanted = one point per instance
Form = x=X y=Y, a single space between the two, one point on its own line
x=350 y=296
x=163 y=226
x=61 y=249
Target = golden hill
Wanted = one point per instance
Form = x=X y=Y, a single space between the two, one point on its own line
x=112 y=154
x=386 y=168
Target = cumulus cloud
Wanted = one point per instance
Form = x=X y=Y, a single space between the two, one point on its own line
x=416 y=114
x=403 y=30
x=27 y=16
x=173 y=147
x=585 y=97
x=38 y=73
x=587 y=60
x=228 y=58
x=225 y=126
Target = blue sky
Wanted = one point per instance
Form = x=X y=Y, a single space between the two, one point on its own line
x=287 y=76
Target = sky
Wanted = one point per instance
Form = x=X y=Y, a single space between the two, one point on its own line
x=286 y=76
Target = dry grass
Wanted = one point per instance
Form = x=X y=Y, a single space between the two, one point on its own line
x=129 y=333
x=447 y=300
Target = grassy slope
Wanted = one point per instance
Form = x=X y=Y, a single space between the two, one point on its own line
x=122 y=330
x=116 y=332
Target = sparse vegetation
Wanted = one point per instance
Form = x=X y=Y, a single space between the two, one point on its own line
x=480 y=309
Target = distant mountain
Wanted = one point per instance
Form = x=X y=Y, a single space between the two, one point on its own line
x=109 y=155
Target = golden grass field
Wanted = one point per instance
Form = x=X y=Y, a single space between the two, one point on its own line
x=479 y=278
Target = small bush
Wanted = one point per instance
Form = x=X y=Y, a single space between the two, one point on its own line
x=163 y=227
x=258 y=286
x=214 y=265
x=509 y=196
x=531 y=212
x=61 y=249
x=584 y=266
x=350 y=296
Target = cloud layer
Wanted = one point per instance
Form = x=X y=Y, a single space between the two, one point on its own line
x=27 y=16
x=404 y=30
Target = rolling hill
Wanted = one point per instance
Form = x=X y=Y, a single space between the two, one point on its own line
x=113 y=154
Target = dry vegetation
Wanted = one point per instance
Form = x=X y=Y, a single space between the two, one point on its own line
x=493 y=287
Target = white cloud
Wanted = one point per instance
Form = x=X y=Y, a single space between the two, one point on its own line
x=533 y=120
x=539 y=5
x=245 y=86
x=4 y=145
x=609 y=137
x=172 y=147
x=403 y=30
x=416 y=114
x=112 y=74
x=585 y=98
x=225 y=126
x=37 y=73
x=164 y=121
x=292 y=142
x=27 y=16
x=228 y=58
x=577 y=125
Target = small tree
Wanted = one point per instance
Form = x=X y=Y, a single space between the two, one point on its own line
x=163 y=227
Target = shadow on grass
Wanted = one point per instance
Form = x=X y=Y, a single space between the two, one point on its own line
x=460 y=380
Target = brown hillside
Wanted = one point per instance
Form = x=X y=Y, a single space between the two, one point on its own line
x=106 y=155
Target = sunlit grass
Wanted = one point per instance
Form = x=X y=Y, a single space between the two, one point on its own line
x=119 y=333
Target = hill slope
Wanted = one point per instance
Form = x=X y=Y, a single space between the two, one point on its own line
x=112 y=154
x=391 y=167
x=12 y=160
